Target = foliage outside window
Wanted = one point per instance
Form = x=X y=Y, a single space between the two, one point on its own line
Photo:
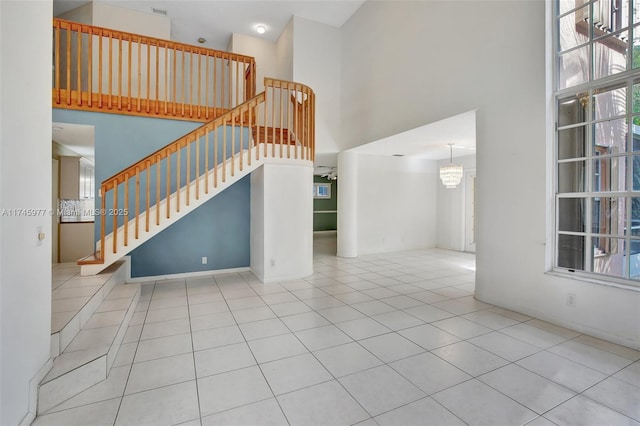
x=597 y=146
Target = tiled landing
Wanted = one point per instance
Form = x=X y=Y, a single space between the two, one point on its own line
x=394 y=339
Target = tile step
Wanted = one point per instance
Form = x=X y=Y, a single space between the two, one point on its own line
x=89 y=356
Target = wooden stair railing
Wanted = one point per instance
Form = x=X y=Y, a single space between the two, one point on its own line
x=100 y=69
x=277 y=123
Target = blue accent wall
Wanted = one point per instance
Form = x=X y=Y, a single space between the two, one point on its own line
x=219 y=230
x=120 y=141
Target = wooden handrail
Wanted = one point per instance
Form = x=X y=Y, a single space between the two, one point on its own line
x=281 y=118
x=159 y=79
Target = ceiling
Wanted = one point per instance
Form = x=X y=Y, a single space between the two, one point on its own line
x=217 y=20
x=78 y=138
x=429 y=142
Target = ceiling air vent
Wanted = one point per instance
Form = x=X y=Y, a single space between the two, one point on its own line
x=398 y=155
x=159 y=11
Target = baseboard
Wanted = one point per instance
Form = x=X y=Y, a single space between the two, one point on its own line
x=33 y=393
x=195 y=274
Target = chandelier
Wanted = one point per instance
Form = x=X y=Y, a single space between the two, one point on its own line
x=451 y=174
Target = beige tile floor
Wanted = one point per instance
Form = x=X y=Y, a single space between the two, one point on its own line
x=394 y=339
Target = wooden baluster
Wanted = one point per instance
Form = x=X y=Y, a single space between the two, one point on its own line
x=103 y=220
x=166 y=80
x=110 y=71
x=79 y=65
x=206 y=88
x=197 y=167
x=126 y=209
x=273 y=121
x=230 y=87
x=184 y=89
x=233 y=144
x=206 y=162
x=188 y=174
x=282 y=140
x=158 y=174
x=237 y=83
x=148 y=196
x=215 y=83
x=249 y=135
x=148 y=100
x=119 y=71
x=137 y=213
x=139 y=106
x=178 y=179
x=101 y=40
x=304 y=125
x=69 y=33
x=241 y=144
x=215 y=157
x=290 y=126
x=115 y=216
x=190 y=83
x=224 y=154
x=129 y=74
x=157 y=76
x=264 y=124
x=90 y=70
x=168 y=180
x=57 y=57
x=175 y=79
x=199 y=77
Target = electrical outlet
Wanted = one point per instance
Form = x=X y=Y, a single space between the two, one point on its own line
x=204 y=260
x=571 y=300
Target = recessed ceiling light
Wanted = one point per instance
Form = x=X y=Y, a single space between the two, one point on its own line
x=261 y=29
x=202 y=40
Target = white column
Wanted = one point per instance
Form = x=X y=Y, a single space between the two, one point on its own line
x=282 y=222
x=348 y=204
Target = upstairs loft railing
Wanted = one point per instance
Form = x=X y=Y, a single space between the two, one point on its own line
x=100 y=69
x=277 y=123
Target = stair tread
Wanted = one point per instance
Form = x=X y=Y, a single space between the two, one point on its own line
x=97 y=336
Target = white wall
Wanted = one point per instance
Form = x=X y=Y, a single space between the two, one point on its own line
x=263 y=51
x=284 y=52
x=316 y=63
x=451 y=208
x=282 y=209
x=131 y=21
x=395 y=203
x=25 y=182
x=398 y=73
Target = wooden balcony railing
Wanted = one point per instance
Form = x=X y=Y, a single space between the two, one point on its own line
x=277 y=123
x=100 y=69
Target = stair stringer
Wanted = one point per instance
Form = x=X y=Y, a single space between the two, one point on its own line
x=224 y=180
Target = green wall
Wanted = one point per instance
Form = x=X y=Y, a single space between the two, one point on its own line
x=325 y=221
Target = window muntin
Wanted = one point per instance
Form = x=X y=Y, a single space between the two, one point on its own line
x=597 y=145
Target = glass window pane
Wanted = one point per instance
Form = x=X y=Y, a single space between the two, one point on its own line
x=607 y=215
x=634 y=260
x=610 y=16
x=636 y=173
x=610 y=103
x=571 y=251
x=571 y=143
x=571 y=177
x=610 y=135
x=573 y=29
x=636 y=11
x=571 y=214
x=609 y=256
x=610 y=55
x=573 y=67
x=635 y=49
x=566 y=5
x=609 y=174
x=572 y=111
x=635 y=216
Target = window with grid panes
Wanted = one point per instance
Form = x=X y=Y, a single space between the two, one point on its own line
x=597 y=144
